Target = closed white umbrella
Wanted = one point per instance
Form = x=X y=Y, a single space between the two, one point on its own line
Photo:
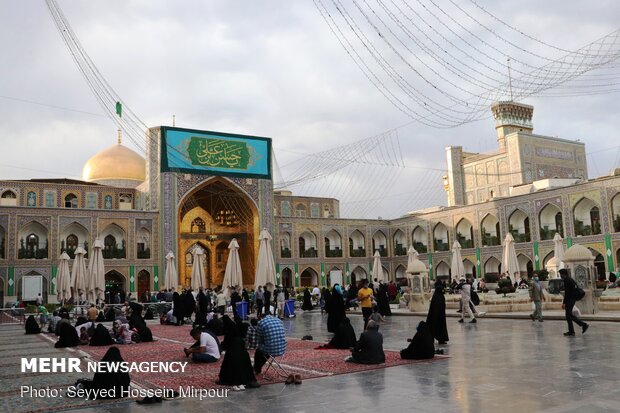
x=96 y=273
x=172 y=276
x=377 y=268
x=198 y=271
x=265 y=267
x=457 y=267
x=510 y=263
x=63 y=279
x=233 y=276
x=558 y=249
x=78 y=273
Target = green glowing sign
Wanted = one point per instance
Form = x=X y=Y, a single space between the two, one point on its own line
x=218 y=153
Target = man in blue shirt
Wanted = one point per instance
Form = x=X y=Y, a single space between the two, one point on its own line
x=271 y=341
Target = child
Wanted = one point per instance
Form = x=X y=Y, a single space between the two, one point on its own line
x=84 y=339
x=376 y=315
x=252 y=334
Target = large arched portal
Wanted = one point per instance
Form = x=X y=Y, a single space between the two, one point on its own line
x=114 y=282
x=212 y=215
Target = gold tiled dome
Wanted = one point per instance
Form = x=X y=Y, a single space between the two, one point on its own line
x=113 y=164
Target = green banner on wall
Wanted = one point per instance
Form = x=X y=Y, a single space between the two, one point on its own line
x=156 y=278
x=132 y=279
x=323 y=274
x=536 y=257
x=430 y=266
x=478 y=264
x=347 y=273
x=569 y=242
x=296 y=275
x=609 y=252
x=11 y=282
x=277 y=273
x=53 y=287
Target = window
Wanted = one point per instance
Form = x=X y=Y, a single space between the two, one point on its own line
x=32 y=245
x=8 y=198
x=198 y=225
x=125 y=201
x=9 y=195
x=91 y=200
x=300 y=211
x=285 y=208
x=50 y=199
x=314 y=210
x=72 y=242
x=71 y=201
x=107 y=202
x=31 y=199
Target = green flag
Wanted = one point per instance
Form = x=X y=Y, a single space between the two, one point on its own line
x=119 y=109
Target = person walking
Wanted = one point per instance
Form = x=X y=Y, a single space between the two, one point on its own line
x=465 y=290
x=364 y=295
x=537 y=295
x=259 y=297
x=570 y=298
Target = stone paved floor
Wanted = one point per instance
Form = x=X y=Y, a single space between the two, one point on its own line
x=495 y=366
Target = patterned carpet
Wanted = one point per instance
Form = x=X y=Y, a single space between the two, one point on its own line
x=300 y=358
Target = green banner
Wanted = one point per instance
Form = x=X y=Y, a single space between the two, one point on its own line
x=156 y=278
x=53 y=287
x=132 y=279
x=277 y=273
x=11 y=282
x=347 y=273
x=569 y=242
x=218 y=153
x=430 y=266
x=296 y=275
x=478 y=264
x=609 y=251
x=323 y=282
x=536 y=257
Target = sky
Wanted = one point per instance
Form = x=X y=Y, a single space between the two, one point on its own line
x=267 y=68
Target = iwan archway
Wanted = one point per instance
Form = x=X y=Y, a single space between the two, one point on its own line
x=211 y=215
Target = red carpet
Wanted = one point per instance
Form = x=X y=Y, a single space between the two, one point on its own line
x=300 y=358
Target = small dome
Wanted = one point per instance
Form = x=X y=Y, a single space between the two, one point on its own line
x=578 y=253
x=416 y=267
x=553 y=262
x=115 y=164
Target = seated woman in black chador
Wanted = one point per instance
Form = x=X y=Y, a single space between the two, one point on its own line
x=100 y=317
x=110 y=314
x=32 y=327
x=148 y=314
x=68 y=337
x=110 y=385
x=344 y=338
x=200 y=321
x=307 y=304
x=137 y=322
x=101 y=337
x=236 y=367
x=216 y=326
x=421 y=346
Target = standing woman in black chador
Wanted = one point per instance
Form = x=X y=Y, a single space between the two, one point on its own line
x=178 y=311
x=307 y=304
x=335 y=309
x=436 y=318
x=383 y=301
x=115 y=384
x=189 y=304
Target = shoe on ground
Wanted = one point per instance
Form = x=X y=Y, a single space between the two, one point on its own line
x=461 y=320
x=238 y=388
x=584 y=328
x=253 y=385
x=298 y=379
x=481 y=313
x=532 y=317
x=569 y=334
x=473 y=321
x=290 y=379
x=541 y=320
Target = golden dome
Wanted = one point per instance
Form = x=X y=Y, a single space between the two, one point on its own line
x=116 y=163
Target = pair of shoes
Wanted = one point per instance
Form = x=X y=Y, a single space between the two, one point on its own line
x=290 y=379
x=298 y=379
x=473 y=321
x=481 y=313
x=253 y=385
x=584 y=328
x=532 y=317
x=461 y=320
x=439 y=351
x=541 y=320
x=569 y=334
x=240 y=387
x=149 y=400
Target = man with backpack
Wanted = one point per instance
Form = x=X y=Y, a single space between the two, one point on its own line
x=572 y=294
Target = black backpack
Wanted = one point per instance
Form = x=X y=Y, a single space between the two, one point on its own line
x=579 y=293
x=475 y=298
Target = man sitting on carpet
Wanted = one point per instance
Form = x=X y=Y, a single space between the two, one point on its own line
x=205 y=350
x=369 y=348
x=271 y=341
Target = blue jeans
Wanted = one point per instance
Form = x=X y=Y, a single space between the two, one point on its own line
x=203 y=358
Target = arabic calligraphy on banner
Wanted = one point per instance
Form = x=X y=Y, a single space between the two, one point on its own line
x=218 y=153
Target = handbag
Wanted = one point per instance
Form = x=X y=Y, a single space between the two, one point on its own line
x=579 y=293
x=475 y=298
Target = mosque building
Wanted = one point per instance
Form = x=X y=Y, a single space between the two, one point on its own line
x=141 y=208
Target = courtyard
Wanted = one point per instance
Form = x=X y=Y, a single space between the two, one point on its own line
x=496 y=365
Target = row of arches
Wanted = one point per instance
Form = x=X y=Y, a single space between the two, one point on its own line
x=33 y=241
x=71 y=200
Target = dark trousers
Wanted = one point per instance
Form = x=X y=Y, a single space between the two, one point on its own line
x=568 y=307
x=366 y=313
x=260 y=358
x=221 y=309
x=259 y=308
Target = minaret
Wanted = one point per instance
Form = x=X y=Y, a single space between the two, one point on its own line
x=511 y=117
